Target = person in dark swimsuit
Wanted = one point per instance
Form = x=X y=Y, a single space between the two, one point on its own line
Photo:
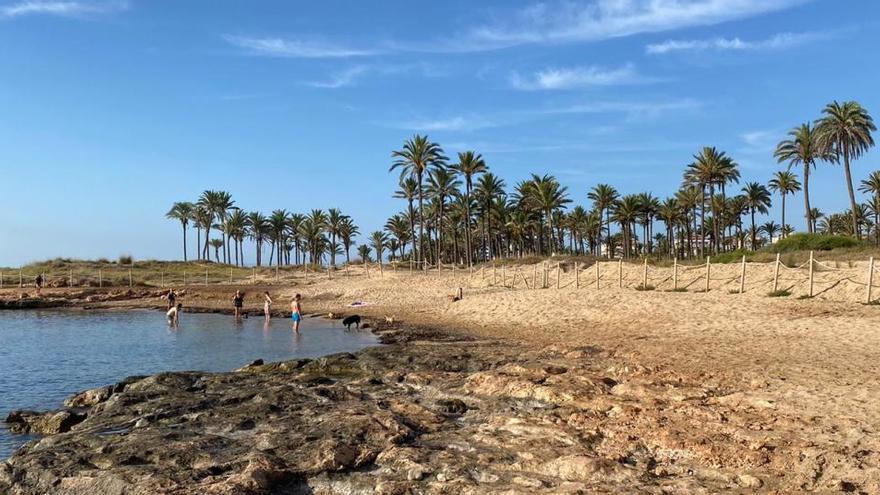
x=237 y=303
x=38 y=283
x=171 y=298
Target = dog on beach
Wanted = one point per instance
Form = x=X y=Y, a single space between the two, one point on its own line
x=389 y=319
x=352 y=320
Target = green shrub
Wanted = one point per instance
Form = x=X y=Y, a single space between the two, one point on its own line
x=731 y=257
x=812 y=242
x=678 y=289
x=125 y=259
x=645 y=287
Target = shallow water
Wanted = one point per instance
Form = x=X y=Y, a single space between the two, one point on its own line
x=45 y=356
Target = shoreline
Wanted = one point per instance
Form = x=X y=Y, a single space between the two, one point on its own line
x=619 y=391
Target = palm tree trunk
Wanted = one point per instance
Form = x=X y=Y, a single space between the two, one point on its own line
x=184 y=241
x=809 y=211
x=702 y=220
x=753 y=230
x=783 y=219
x=852 y=196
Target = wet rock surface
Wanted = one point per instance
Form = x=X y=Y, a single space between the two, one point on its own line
x=435 y=417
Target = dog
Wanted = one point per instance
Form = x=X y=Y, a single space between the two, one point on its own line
x=389 y=319
x=352 y=320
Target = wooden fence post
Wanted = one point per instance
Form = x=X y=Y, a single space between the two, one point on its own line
x=70 y=278
x=276 y=273
x=100 y=279
x=558 y=273
x=503 y=276
x=645 y=275
x=493 y=274
x=708 y=274
x=130 y=283
x=811 y=274
x=870 y=280
x=206 y=277
x=163 y=278
x=776 y=274
x=230 y=275
x=1 y=279
x=255 y=275
x=19 y=279
x=535 y=278
x=742 y=277
x=184 y=278
x=597 y=275
x=674 y=273
x=620 y=273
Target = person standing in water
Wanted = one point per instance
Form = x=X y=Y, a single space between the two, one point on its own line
x=296 y=312
x=173 y=315
x=267 y=305
x=237 y=303
x=170 y=298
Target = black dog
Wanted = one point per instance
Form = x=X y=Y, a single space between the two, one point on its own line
x=352 y=320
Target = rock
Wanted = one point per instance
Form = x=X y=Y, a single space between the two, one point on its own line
x=89 y=398
x=452 y=406
x=48 y=423
x=749 y=481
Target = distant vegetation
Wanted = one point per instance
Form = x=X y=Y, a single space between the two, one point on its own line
x=458 y=211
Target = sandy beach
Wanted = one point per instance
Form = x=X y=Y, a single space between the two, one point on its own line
x=777 y=394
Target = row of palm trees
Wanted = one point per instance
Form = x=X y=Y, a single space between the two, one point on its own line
x=292 y=237
x=463 y=212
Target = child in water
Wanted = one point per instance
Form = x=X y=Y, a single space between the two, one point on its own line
x=296 y=312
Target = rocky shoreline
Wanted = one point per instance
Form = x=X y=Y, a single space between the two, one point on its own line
x=428 y=413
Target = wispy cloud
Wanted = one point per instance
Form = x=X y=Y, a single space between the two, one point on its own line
x=295 y=48
x=61 y=8
x=566 y=21
x=341 y=79
x=578 y=77
x=777 y=42
x=631 y=110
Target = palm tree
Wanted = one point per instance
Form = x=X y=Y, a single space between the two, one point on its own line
x=278 y=223
x=236 y=229
x=398 y=227
x=688 y=198
x=347 y=231
x=670 y=213
x=379 y=240
x=202 y=219
x=441 y=185
x=258 y=229
x=757 y=199
x=418 y=156
x=409 y=190
x=182 y=212
x=334 y=222
x=772 y=229
x=469 y=165
x=845 y=132
x=871 y=186
x=488 y=188
x=546 y=194
x=626 y=211
x=802 y=149
x=364 y=253
x=216 y=244
x=711 y=167
x=815 y=215
x=603 y=197
x=784 y=182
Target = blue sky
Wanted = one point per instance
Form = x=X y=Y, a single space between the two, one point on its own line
x=112 y=110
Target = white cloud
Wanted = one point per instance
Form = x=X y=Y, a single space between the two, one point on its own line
x=61 y=8
x=578 y=77
x=632 y=109
x=294 y=48
x=777 y=42
x=568 y=21
x=456 y=123
x=345 y=78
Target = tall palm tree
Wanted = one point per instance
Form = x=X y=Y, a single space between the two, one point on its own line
x=546 y=194
x=258 y=229
x=688 y=198
x=802 y=149
x=379 y=241
x=236 y=227
x=470 y=164
x=757 y=199
x=347 y=231
x=489 y=187
x=202 y=218
x=364 y=253
x=625 y=212
x=772 y=229
x=334 y=222
x=603 y=197
x=871 y=186
x=278 y=223
x=398 y=227
x=409 y=190
x=785 y=183
x=442 y=184
x=710 y=168
x=182 y=212
x=845 y=132
x=417 y=157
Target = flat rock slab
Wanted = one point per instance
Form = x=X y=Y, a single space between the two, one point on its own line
x=452 y=417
